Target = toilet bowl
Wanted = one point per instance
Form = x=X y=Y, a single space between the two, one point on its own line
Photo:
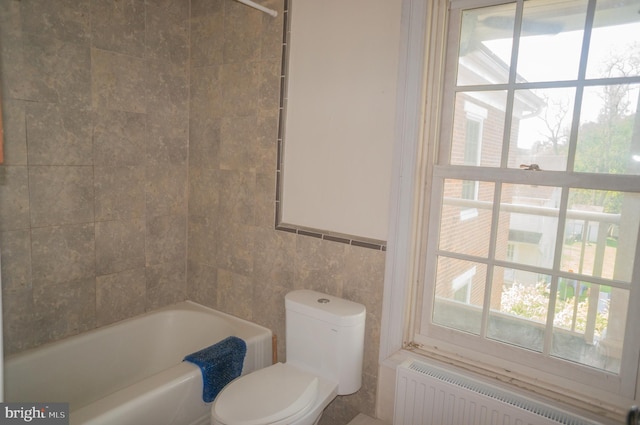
x=277 y=395
x=324 y=345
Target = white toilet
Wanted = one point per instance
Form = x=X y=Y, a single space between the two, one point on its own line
x=324 y=343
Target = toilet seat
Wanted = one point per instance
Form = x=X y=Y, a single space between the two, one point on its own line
x=266 y=396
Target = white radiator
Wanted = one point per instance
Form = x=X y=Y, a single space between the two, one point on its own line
x=428 y=395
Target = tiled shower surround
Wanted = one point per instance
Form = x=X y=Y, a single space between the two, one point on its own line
x=140 y=166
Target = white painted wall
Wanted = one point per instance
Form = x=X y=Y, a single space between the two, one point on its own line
x=338 y=140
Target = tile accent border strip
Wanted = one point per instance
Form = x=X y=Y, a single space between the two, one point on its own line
x=333 y=237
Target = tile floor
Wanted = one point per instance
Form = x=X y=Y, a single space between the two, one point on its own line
x=363 y=419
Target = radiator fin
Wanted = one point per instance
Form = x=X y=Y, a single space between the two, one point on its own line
x=430 y=393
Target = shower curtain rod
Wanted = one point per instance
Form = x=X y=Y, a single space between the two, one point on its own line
x=259 y=7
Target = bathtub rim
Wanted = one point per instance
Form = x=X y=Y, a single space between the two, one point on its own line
x=187 y=305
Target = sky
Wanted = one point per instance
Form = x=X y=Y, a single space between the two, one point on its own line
x=556 y=57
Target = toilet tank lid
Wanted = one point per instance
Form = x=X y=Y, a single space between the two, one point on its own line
x=327 y=308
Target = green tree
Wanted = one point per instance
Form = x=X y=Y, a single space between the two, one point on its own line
x=604 y=146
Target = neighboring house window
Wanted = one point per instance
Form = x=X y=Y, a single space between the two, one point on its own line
x=511 y=252
x=539 y=143
x=462 y=284
x=475 y=116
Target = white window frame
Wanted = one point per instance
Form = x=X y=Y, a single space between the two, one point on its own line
x=422 y=52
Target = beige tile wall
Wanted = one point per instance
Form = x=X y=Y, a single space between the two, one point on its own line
x=139 y=131
x=93 y=191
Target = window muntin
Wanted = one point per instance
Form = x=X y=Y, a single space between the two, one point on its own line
x=523 y=237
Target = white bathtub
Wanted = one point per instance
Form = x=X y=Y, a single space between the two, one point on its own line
x=132 y=372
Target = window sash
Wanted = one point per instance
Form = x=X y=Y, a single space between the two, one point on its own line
x=558 y=371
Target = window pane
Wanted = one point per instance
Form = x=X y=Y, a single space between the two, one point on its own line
x=520 y=314
x=478 y=128
x=551 y=40
x=459 y=294
x=466 y=217
x=485 y=32
x=541 y=127
x=589 y=324
x=607 y=141
x=593 y=244
x=615 y=40
x=528 y=224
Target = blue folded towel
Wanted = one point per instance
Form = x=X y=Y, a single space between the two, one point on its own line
x=220 y=364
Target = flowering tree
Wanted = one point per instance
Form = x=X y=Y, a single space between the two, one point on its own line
x=532 y=301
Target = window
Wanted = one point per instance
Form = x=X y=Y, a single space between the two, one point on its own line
x=539 y=136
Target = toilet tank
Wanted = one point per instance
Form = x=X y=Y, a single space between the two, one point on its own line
x=325 y=335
